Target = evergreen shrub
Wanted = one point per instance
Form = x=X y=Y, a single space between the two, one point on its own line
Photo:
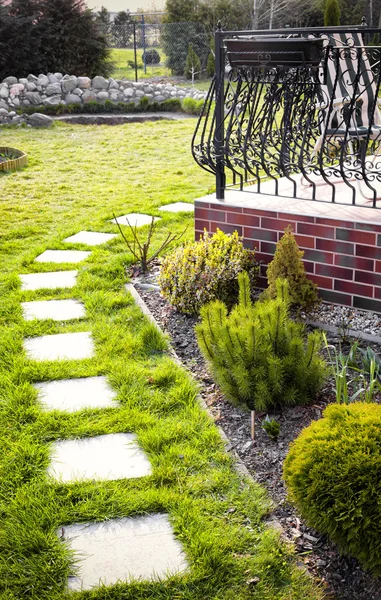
x=258 y=355
x=151 y=57
x=199 y=272
x=287 y=264
x=192 y=106
x=210 y=65
x=332 y=472
x=192 y=64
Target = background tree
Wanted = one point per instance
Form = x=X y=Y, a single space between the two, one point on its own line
x=332 y=13
x=192 y=65
x=122 y=29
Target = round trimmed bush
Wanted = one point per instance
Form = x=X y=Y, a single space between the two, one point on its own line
x=199 y=272
x=151 y=57
x=333 y=474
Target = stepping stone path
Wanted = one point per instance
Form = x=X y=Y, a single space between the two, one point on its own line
x=70 y=395
x=58 y=310
x=90 y=238
x=49 y=281
x=61 y=346
x=63 y=256
x=103 y=458
x=178 y=207
x=119 y=549
x=134 y=220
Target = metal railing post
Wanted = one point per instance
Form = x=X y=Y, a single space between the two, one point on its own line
x=135 y=56
x=219 y=131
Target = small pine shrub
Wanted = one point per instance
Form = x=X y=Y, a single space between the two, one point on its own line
x=189 y=106
x=202 y=271
x=151 y=57
x=258 y=355
x=333 y=475
x=171 y=105
x=192 y=65
x=210 y=65
x=287 y=264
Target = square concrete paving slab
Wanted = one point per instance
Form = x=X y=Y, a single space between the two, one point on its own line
x=61 y=346
x=90 y=238
x=63 y=256
x=49 y=281
x=105 y=457
x=178 y=207
x=71 y=395
x=58 y=310
x=134 y=219
x=117 y=550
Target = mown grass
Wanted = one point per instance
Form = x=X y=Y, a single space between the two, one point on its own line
x=77 y=178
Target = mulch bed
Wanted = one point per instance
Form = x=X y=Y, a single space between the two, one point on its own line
x=343 y=577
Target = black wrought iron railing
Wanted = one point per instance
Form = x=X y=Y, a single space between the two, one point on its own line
x=295 y=113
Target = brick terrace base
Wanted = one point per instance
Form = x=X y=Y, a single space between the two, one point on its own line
x=342 y=244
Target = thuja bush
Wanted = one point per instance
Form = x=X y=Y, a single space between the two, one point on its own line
x=287 y=264
x=333 y=475
x=199 y=272
x=258 y=355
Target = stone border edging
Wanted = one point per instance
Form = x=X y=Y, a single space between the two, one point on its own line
x=368 y=337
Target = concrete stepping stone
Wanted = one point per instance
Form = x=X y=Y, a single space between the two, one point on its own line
x=71 y=395
x=58 y=310
x=105 y=457
x=48 y=281
x=63 y=256
x=90 y=238
x=61 y=346
x=119 y=549
x=134 y=219
x=178 y=207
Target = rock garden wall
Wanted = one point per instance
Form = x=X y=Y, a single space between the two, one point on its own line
x=56 y=89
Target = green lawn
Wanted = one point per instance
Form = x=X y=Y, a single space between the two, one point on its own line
x=77 y=178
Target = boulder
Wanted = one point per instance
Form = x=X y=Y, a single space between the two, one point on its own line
x=3 y=104
x=4 y=91
x=32 y=78
x=114 y=85
x=52 y=78
x=78 y=91
x=16 y=89
x=88 y=96
x=33 y=97
x=3 y=112
x=128 y=93
x=43 y=80
x=52 y=101
x=58 y=76
x=53 y=89
x=100 y=83
x=116 y=96
x=10 y=80
x=68 y=84
x=31 y=86
x=102 y=96
x=23 y=80
x=84 y=83
x=40 y=120
x=72 y=99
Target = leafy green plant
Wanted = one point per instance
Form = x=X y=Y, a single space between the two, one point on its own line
x=258 y=355
x=354 y=381
x=287 y=264
x=271 y=426
x=192 y=106
x=199 y=272
x=192 y=65
x=140 y=250
x=332 y=472
x=151 y=57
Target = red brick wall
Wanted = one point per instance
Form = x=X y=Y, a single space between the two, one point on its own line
x=342 y=257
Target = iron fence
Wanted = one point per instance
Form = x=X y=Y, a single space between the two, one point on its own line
x=295 y=113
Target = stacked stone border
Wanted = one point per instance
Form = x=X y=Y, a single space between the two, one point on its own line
x=343 y=257
x=56 y=89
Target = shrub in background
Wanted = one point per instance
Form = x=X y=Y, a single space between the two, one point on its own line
x=199 y=272
x=192 y=65
x=192 y=106
x=287 y=264
x=210 y=65
x=151 y=57
x=259 y=356
x=332 y=472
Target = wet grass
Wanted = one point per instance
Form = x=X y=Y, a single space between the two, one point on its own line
x=76 y=179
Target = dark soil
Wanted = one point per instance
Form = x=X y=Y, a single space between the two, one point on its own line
x=343 y=577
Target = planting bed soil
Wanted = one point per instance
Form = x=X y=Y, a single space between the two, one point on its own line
x=343 y=578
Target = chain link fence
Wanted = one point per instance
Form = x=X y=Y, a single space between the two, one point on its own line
x=142 y=50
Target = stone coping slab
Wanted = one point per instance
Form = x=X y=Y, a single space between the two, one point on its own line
x=61 y=346
x=117 y=550
x=48 y=281
x=102 y=458
x=63 y=256
x=90 y=238
x=71 y=395
x=134 y=219
x=178 y=207
x=58 y=310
